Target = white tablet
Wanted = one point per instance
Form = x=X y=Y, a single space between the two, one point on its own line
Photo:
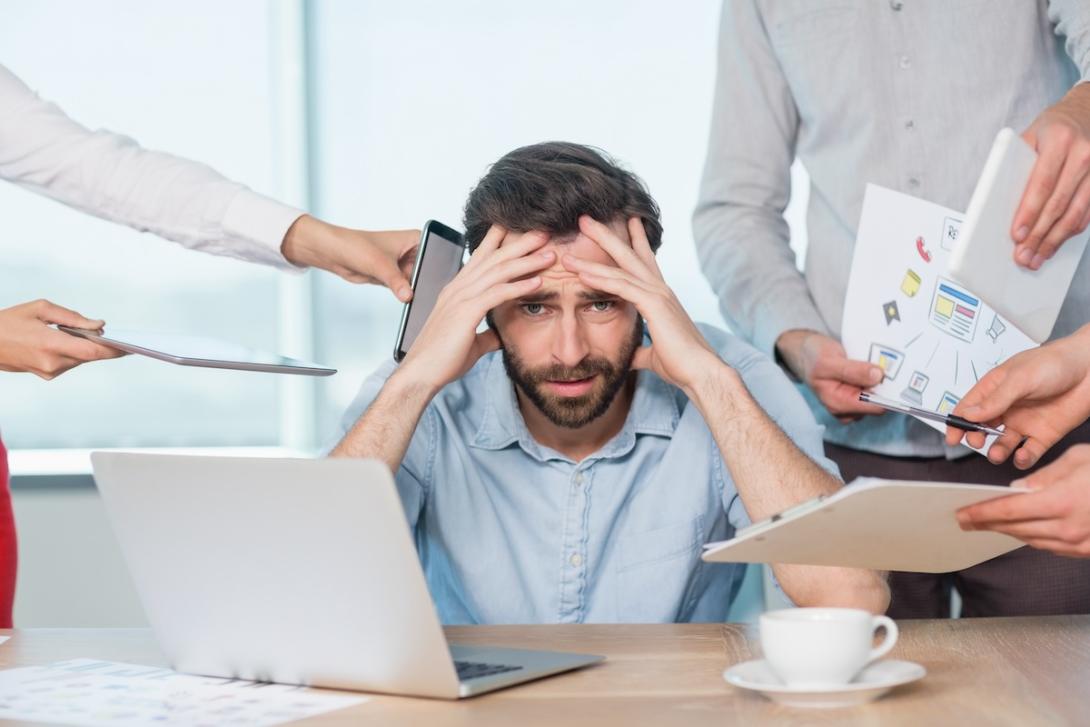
x=983 y=257
x=199 y=351
x=877 y=524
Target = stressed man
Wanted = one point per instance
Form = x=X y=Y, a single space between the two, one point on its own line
x=567 y=463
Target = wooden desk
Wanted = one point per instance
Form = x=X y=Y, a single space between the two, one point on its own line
x=980 y=671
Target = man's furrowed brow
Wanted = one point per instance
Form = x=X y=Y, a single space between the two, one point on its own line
x=595 y=295
x=542 y=297
x=548 y=296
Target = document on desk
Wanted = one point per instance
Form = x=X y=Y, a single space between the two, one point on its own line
x=95 y=692
x=932 y=337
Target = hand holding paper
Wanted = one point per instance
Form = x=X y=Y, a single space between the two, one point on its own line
x=1041 y=394
x=837 y=380
x=932 y=338
x=1055 y=516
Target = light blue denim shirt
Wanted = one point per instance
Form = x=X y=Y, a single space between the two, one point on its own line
x=510 y=531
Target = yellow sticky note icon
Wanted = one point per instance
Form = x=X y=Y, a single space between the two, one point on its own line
x=911 y=284
x=944 y=306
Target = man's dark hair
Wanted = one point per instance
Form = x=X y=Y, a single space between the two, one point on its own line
x=548 y=186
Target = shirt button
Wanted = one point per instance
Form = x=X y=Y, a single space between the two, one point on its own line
x=896 y=4
x=905 y=62
x=576 y=560
x=913 y=182
x=910 y=124
x=578 y=479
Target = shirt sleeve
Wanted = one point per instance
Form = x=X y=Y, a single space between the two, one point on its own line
x=742 y=238
x=1071 y=18
x=414 y=476
x=112 y=177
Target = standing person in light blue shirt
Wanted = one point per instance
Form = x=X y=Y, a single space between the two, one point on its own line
x=567 y=464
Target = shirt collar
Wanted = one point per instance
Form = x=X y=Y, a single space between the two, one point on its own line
x=654 y=411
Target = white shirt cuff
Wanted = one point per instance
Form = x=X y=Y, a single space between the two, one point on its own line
x=259 y=224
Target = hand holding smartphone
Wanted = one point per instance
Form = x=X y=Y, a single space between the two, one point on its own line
x=438 y=260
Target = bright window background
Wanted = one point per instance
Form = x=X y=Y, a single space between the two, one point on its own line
x=189 y=78
x=405 y=105
x=377 y=114
x=414 y=99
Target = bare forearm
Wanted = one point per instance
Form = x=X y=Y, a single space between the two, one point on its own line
x=386 y=428
x=769 y=471
x=772 y=474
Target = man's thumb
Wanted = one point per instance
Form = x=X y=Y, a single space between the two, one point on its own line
x=487 y=342
x=642 y=358
x=860 y=373
x=53 y=313
x=392 y=277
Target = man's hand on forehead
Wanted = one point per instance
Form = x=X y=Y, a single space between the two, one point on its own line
x=679 y=353
x=572 y=241
x=449 y=344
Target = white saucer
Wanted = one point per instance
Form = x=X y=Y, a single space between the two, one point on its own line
x=871 y=683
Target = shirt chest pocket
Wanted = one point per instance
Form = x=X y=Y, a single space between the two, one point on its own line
x=654 y=570
x=813 y=43
x=806 y=24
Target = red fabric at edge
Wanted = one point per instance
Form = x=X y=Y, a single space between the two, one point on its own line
x=9 y=557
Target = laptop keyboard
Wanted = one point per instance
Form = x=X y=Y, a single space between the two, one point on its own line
x=477 y=669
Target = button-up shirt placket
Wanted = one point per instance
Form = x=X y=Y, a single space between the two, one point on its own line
x=905 y=74
x=574 y=562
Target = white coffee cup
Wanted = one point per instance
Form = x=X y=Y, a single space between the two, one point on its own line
x=822 y=647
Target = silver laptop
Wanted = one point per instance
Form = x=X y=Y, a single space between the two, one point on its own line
x=292 y=570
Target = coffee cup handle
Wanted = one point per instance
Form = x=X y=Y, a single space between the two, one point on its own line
x=887 y=643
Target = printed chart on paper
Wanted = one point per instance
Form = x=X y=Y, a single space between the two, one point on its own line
x=932 y=337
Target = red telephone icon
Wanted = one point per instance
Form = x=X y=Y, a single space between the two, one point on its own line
x=922 y=250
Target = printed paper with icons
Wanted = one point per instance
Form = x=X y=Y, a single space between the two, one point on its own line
x=933 y=338
x=96 y=692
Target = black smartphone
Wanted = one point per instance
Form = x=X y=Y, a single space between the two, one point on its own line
x=438 y=260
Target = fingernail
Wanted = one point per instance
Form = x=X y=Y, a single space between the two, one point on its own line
x=970 y=409
x=1038 y=260
x=404 y=292
x=1025 y=255
x=1020 y=233
x=876 y=376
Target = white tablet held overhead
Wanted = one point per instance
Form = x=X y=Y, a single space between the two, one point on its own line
x=199 y=351
x=876 y=524
x=983 y=259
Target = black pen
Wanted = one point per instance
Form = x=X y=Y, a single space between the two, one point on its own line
x=949 y=419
